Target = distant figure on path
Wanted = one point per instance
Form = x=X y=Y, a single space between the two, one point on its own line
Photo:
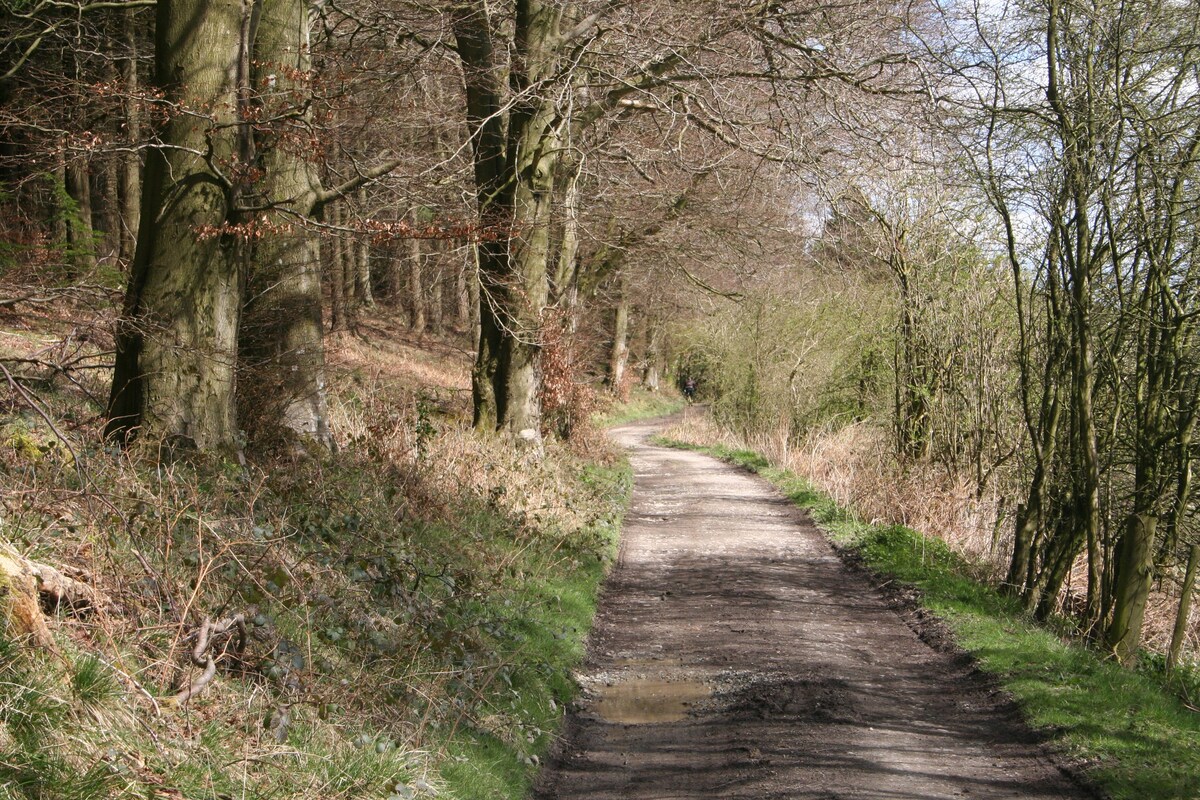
x=689 y=389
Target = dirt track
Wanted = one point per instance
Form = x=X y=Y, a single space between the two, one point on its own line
x=735 y=656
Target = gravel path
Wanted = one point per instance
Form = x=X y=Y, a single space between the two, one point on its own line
x=735 y=656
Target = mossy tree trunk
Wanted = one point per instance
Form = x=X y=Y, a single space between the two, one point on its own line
x=1135 y=574
x=1185 y=607
x=182 y=338
x=283 y=338
x=175 y=369
x=515 y=157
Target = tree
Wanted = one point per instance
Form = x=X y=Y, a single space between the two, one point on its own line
x=230 y=198
x=177 y=346
x=684 y=67
x=515 y=154
x=1090 y=164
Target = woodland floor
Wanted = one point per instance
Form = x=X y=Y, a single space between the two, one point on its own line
x=735 y=655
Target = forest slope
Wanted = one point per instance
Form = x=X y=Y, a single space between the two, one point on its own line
x=401 y=614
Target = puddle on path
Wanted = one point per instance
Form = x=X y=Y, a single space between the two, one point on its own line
x=643 y=700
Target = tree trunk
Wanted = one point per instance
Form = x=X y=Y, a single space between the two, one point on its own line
x=363 y=254
x=416 y=288
x=566 y=272
x=283 y=332
x=1185 y=607
x=437 y=295
x=61 y=208
x=1087 y=468
x=914 y=389
x=653 y=372
x=514 y=177
x=1061 y=549
x=1135 y=573
x=362 y=282
x=331 y=259
x=177 y=344
x=1183 y=477
x=473 y=292
x=347 y=263
x=111 y=211
x=619 y=354
x=81 y=242
x=464 y=276
x=131 y=164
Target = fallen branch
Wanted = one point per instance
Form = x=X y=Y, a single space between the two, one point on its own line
x=57 y=588
x=51 y=295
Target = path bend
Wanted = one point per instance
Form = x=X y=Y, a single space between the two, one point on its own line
x=735 y=656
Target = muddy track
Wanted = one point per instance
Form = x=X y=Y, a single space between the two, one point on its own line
x=736 y=656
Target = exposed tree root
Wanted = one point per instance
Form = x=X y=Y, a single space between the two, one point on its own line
x=28 y=587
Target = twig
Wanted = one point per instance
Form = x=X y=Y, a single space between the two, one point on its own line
x=137 y=685
x=163 y=594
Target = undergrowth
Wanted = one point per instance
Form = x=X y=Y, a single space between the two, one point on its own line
x=1129 y=730
x=414 y=604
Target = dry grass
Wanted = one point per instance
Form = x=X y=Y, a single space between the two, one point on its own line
x=385 y=349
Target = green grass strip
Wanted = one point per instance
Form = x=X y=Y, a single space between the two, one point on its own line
x=641 y=405
x=1130 y=733
x=545 y=645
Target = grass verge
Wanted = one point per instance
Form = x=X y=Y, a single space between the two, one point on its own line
x=641 y=405
x=490 y=759
x=1129 y=733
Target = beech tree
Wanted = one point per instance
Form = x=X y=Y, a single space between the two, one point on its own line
x=227 y=259
x=560 y=86
x=177 y=348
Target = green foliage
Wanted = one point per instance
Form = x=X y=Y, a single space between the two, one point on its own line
x=794 y=359
x=93 y=684
x=699 y=363
x=423 y=428
x=1136 y=737
x=641 y=405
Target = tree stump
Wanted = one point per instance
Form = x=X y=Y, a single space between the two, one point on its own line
x=20 y=608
